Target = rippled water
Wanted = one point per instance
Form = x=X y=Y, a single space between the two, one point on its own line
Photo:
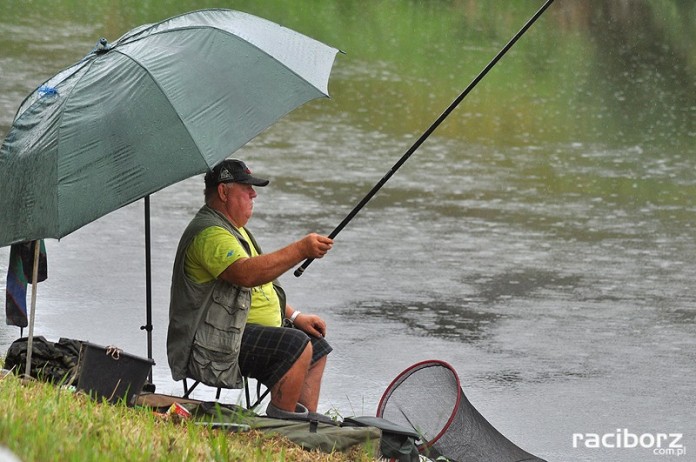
x=554 y=275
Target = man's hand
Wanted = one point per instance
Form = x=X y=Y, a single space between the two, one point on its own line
x=315 y=245
x=311 y=324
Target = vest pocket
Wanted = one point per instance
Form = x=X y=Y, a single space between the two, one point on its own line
x=215 y=351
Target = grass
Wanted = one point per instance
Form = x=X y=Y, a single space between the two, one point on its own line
x=43 y=422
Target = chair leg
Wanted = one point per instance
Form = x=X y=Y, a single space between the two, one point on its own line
x=187 y=391
x=259 y=396
x=246 y=392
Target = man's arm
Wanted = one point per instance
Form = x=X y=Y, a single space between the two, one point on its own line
x=255 y=271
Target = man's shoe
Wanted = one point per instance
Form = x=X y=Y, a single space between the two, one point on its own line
x=300 y=413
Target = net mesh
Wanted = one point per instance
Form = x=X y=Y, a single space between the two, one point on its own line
x=428 y=398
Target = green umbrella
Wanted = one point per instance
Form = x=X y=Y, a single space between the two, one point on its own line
x=165 y=102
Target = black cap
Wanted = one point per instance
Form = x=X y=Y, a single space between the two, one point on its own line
x=232 y=171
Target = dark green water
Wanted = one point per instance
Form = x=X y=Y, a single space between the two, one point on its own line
x=541 y=240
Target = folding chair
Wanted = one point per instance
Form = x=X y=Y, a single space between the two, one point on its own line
x=247 y=395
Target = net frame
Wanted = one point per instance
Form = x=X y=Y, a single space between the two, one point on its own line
x=424 y=445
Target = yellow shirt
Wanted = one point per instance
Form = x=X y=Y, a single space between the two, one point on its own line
x=212 y=251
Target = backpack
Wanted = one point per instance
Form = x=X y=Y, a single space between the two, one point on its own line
x=50 y=362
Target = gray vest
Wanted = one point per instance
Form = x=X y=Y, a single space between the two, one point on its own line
x=206 y=321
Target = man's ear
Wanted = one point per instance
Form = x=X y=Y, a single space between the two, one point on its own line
x=221 y=190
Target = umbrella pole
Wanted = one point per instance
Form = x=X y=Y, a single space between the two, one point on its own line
x=34 y=281
x=298 y=272
x=148 y=284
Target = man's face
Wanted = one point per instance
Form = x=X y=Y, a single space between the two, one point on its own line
x=239 y=202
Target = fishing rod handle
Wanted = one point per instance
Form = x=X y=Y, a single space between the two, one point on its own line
x=298 y=272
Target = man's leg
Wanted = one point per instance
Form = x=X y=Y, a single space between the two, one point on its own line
x=268 y=352
x=287 y=391
x=309 y=396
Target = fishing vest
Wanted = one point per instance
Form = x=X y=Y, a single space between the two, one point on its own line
x=206 y=321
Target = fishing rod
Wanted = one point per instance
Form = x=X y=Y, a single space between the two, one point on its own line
x=298 y=272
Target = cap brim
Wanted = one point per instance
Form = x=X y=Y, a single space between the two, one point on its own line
x=254 y=181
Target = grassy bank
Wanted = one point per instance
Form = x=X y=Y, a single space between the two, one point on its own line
x=42 y=422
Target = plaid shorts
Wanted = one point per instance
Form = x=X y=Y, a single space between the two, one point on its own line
x=268 y=353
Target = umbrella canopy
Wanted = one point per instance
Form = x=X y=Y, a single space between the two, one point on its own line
x=163 y=103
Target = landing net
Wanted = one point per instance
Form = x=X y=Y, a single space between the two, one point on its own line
x=428 y=398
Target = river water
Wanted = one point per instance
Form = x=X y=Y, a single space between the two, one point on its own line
x=550 y=264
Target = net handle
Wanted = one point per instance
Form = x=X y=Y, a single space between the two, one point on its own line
x=404 y=375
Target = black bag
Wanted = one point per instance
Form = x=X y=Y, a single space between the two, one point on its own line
x=50 y=362
x=397 y=442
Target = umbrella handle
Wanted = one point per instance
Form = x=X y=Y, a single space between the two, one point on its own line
x=298 y=272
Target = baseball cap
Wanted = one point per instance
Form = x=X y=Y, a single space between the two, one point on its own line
x=232 y=171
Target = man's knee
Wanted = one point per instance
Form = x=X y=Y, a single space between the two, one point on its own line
x=303 y=361
x=306 y=353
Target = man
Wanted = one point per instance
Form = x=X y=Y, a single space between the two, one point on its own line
x=227 y=309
